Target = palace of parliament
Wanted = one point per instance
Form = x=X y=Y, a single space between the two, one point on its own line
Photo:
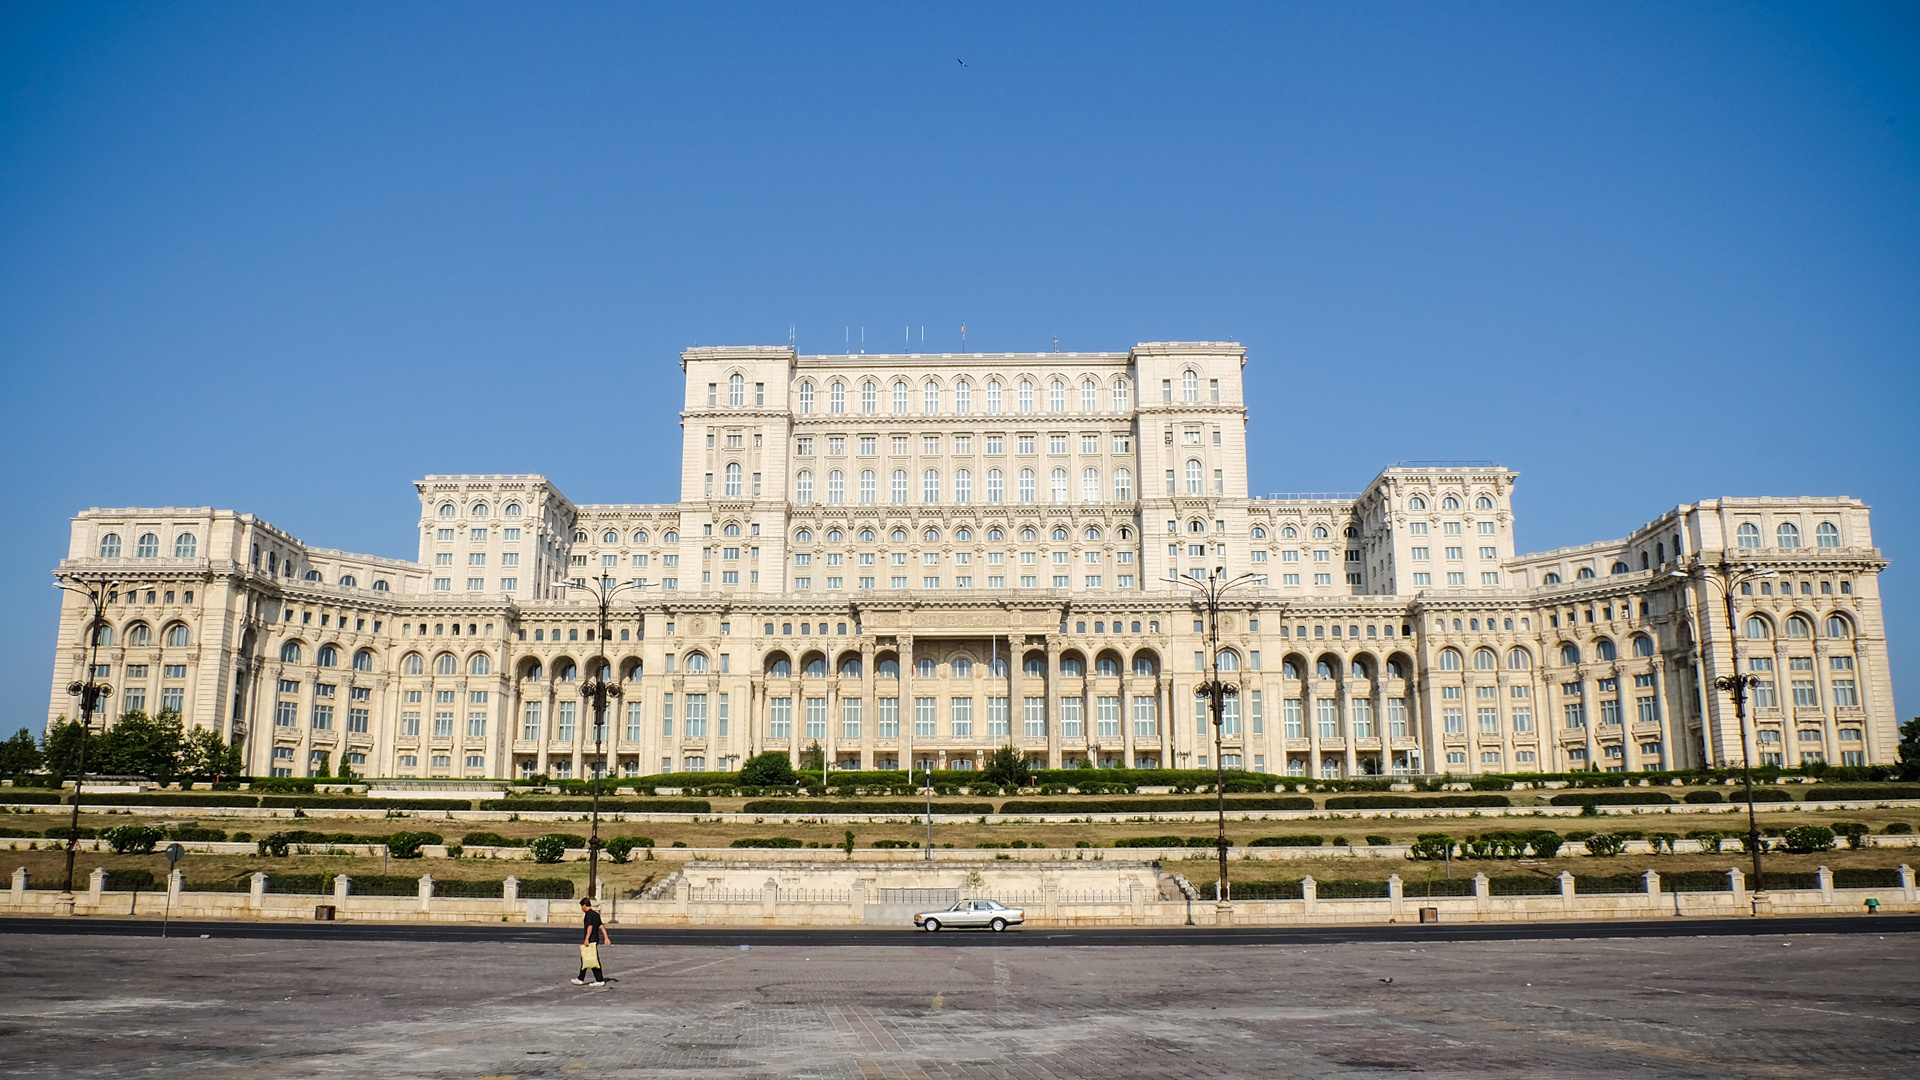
x=920 y=558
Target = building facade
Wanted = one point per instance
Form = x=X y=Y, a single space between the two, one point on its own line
x=920 y=558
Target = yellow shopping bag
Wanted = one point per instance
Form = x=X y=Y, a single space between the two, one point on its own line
x=590 y=955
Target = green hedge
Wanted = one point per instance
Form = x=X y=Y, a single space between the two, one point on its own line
x=23 y=796
x=386 y=885
x=1760 y=795
x=1413 y=802
x=300 y=884
x=1303 y=840
x=1151 y=805
x=547 y=888
x=352 y=802
x=860 y=806
x=169 y=799
x=1863 y=793
x=1610 y=798
x=488 y=889
x=1351 y=889
x=1150 y=841
x=1609 y=883
x=766 y=842
x=1523 y=885
x=1866 y=879
x=607 y=806
x=1695 y=881
x=129 y=880
x=1705 y=795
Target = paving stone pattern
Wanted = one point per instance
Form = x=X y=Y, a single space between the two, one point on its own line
x=1719 y=1008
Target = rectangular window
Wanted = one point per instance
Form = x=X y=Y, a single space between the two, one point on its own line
x=1489 y=721
x=1036 y=717
x=1806 y=694
x=410 y=724
x=925 y=712
x=1609 y=711
x=530 y=721
x=889 y=717
x=1107 y=717
x=850 y=718
x=1453 y=721
x=443 y=725
x=1254 y=711
x=1327 y=717
x=635 y=715
x=1361 y=713
x=1844 y=694
x=1575 y=714
x=1397 y=717
x=962 y=717
x=666 y=715
x=476 y=725
x=1071 y=717
x=287 y=714
x=1523 y=718
x=695 y=723
x=1146 y=716
x=322 y=717
x=1293 y=722
x=816 y=718
x=563 y=721
x=780 y=718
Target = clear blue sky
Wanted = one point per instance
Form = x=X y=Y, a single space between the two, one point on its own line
x=285 y=258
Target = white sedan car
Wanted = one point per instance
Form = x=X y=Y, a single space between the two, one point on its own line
x=990 y=914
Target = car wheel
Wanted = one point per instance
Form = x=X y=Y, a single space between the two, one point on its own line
x=998 y=925
x=932 y=925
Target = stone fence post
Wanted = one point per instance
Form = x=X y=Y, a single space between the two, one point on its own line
x=1652 y=878
x=1482 y=892
x=1050 y=899
x=769 y=896
x=1396 y=896
x=342 y=885
x=20 y=885
x=509 y=894
x=426 y=892
x=683 y=895
x=857 y=900
x=1737 y=885
x=257 y=894
x=1310 y=892
x=1906 y=882
x=176 y=881
x=1137 y=900
x=1826 y=884
x=1566 y=890
x=96 y=884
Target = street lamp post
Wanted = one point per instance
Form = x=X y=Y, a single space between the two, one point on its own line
x=1208 y=591
x=91 y=694
x=1735 y=684
x=601 y=684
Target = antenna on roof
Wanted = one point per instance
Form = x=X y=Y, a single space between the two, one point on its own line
x=1056 y=343
x=790 y=330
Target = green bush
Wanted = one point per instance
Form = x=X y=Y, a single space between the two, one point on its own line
x=1577 y=835
x=1807 y=839
x=1149 y=805
x=771 y=769
x=1379 y=841
x=1761 y=794
x=568 y=805
x=1297 y=840
x=388 y=885
x=1866 y=879
x=357 y=802
x=620 y=848
x=1709 y=840
x=275 y=844
x=766 y=842
x=196 y=833
x=1212 y=843
x=134 y=839
x=1897 y=828
x=861 y=806
x=550 y=848
x=407 y=845
x=1705 y=796
x=1606 y=845
x=1150 y=841
x=896 y=843
x=21 y=796
x=1863 y=792
x=1544 y=843
x=491 y=839
x=1403 y=802
x=1610 y=798
x=169 y=799
x=1430 y=846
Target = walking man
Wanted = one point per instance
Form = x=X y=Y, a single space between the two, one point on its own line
x=589 y=949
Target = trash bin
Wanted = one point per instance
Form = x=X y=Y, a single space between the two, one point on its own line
x=323 y=913
x=1429 y=914
x=1873 y=907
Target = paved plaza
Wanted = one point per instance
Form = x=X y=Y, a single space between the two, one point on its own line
x=1771 y=1005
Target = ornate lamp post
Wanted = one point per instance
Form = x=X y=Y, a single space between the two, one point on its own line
x=1735 y=684
x=600 y=685
x=1208 y=591
x=92 y=694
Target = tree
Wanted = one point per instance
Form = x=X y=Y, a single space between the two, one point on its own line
x=771 y=769
x=815 y=759
x=204 y=754
x=1910 y=749
x=139 y=745
x=20 y=755
x=1008 y=768
x=61 y=749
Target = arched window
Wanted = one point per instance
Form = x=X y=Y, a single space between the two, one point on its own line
x=185 y=545
x=1827 y=535
x=697 y=663
x=733 y=479
x=736 y=390
x=1449 y=660
x=380 y=586
x=836 y=486
x=513 y=509
x=177 y=636
x=1642 y=645
x=1799 y=626
x=1416 y=503
x=963 y=396
x=1060 y=533
x=930 y=391
x=1839 y=626
x=148 y=547
x=963 y=485
x=1519 y=659
x=1035 y=667
x=445 y=664
x=1620 y=568
x=363 y=660
x=1395 y=669
x=1123 y=485
x=1569 y=654
x=1484 y=660
x=898 y=485
x=1057 y=396
x=1483 y=503
x=1059 y=485
x=1104 y=664
x=930 y=486
x=806 y=398
x=888 y=668
x=1320 y=532
x=1089 y=396
x=1120 y=396
x=900 y=396
x=1291 y=670
x=1193 y=476
x=923 y=668
x=480 y=665
x=850 y=665
x=1092 y=533
x=963 y=668
x=993 y=395
x=671 y=537
x=447 y=510
x=533 y=672
x=869 y=485
x=804 y=536
x=1190 y=386
x=1228 y=660
x=328 y=656
x=1604 y=650
x=1449 y=503
x=803 y=487
x=1145 y=664
x=1551 y=578
x=1585 y=572
x=1323 y=668
x=478 y=510
x=1748 y=535
x=290 y=653
x=1259 y=533
x=1090 y=485
x=898 y=536
x=1289 y=533
x=110 y=546
x=609 y=537
x=348 y=581
x=311 y=575
x=1360 y=669
x=102 y=634
x=1071 y=665
x=565 y=671
x=579 y=536
x=931 y=536
x=837 y=397
x=413 y=664
x=1026 y=396
x=1028 y=534
x=1787 y=535
x=1758 y=628
x=996 y=486
x=781 y=668
x=139 y=635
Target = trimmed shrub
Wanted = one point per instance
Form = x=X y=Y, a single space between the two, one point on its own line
x=168 y=799
x=1405 y=802
x=1209 y=842
x=1300 y=840
x=1379 y=841
x=550 y=848
x=1807 y=839
x=1610 y=798
x=896 y=843
x=1863 y=792
x=134 y=839
x=196 y=833
x=620 y=848
x=1150 y=841
x=23 y=796
x=1431 y=846
x=274 y=844
x=407 y=845
x=1709 y=839
x=1605 y=845
x=491 y=839
x=1760 y=795
x=1705 y=796
x=354 y=802
x=1897 y=828
x=607 y=806
x=388 y=885
x=768 y=770
x=861 y=806
x=765 y=842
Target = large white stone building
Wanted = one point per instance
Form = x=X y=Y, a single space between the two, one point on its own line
x=919 y=558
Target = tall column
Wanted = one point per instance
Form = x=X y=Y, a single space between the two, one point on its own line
x=907 y=711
